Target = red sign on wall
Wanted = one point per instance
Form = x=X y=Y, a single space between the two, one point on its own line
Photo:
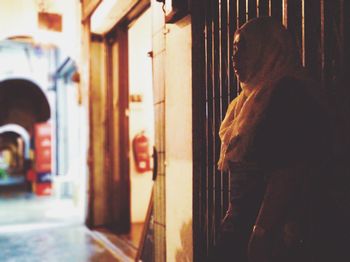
x=43 y=147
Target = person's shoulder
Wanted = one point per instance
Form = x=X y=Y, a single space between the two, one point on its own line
x=234 y=102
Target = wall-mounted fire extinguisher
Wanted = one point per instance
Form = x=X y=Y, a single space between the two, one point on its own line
x=141 y=150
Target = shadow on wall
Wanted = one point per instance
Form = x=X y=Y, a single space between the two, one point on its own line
x=185 y=252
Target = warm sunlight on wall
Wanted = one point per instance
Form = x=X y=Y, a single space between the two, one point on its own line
x=179 y=168
x=19 y=18
x=108 y=13
x=141 y=113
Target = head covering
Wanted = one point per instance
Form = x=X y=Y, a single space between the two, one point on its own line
x=271 y=54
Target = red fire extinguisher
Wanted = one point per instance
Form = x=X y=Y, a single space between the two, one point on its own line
x=140 y=145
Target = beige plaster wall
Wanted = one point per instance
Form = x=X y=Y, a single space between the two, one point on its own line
x=141 y=115
x=172 y=83
x=19 y=17
x=178 y=134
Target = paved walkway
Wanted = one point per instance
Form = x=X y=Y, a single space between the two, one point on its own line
x=47 y=229
x=24 y=208
x=55 y=243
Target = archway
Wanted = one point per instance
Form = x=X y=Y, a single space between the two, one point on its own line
x=22 y=102
x=23 y=133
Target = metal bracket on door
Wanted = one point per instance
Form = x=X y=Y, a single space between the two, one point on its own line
x=155 y=163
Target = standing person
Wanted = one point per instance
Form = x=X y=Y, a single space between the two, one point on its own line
x=274 y=140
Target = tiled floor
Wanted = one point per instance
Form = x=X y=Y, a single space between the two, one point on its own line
x=22 y=208
x=61 y=244
x=45 y=229
x=127 y=243
x=48 y=229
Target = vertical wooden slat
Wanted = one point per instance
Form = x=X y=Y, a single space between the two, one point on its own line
x=216 y=115
x=234 y=85
x=241 y=19
x=303 y=32
x=322 y=39
x=209 y=129
x=233 y=88
x=285 y=12
x=204 y=182
x=341 y=34
x=225 y=60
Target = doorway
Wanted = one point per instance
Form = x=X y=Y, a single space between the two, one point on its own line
x=141 y=121
x=130 y=127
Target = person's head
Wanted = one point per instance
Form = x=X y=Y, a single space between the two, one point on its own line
x=263 y=49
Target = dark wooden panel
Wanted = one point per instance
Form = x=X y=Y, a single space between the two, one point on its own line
x=225 y=63
x=241 y=19
x=276 y=9
x=217 y=86
x=294 y=20
x=121 y=180
x=344 y=90
x=263 y=7
x=225 y=51
x=241 y=12
x=313 y=51
x=346 y=29
x=199 y=123
x=233 y=86
x=209 y=127
x=331 y=45
x=252 y=9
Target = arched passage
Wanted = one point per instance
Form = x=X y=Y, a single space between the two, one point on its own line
x=22 y=102
x=23 y=133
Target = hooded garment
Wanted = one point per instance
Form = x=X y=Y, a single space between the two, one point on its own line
x=271 y=54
